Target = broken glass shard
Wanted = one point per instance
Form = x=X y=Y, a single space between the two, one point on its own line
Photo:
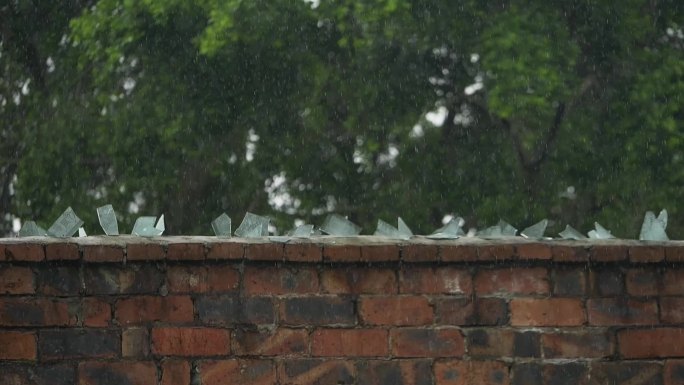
x=600 y=232
x=145 y=227
x=400 y=232
x=338 y=225
x=403 y=228
x=536 y=230
x=501 y=229
x=222 y=225
x=302 y=231
x=653 y=229
x=81 y=232
x=31 y=229
x=506 y=229
x=571 y=233
x=451 y=230
x=66 y=225
x=253 y=226
x=107 y=218
x=161 y=225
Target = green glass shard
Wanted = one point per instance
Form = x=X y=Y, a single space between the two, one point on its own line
x=31 y=229
x=506 y=229
x=571 y=233
x=107 y=218
x=451 y=230
x=81 y=232
x=536 y=231
x=222 y=225
x=653 y=229
x=501 y=229
x=161 y=225
x=145 y=227
x=253 y=226
x=302 y=231
x=600 y=232
x=403 y=229
x=400 y=232
x=66 y=225
x=338 y=225
x=280 y=239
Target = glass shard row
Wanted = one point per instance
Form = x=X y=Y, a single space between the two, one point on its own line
x=653 y=229
x=107 y=218
x=451 y=230
x=222 y=225
x=31 y=229
x=145 y=227
x=536 y=231
x=66 y=225
x=400 y=232
x=571 y=233
x=338 y=225
x=253 y=226
x=600 y=232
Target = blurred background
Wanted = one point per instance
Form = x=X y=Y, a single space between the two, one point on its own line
x=571 y=110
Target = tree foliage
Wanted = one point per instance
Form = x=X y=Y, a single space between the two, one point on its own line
x=570 y=110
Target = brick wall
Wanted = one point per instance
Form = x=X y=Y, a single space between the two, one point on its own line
x=205 y=311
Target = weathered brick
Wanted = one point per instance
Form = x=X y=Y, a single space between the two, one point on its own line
x=103 y=253
x=547 y=312
x=187 y=341
x=471 y=373
x=569 y=282
x=564 y=253
x=584 y=344
x=527 y=374
x=135 y=343
x=607 y=282
x=123 y=373
x=277 y=281
x=672 y=310
x=532 y=251
x=574 y=373
x=646 y=254
x=441 y=280
x=264 y=251
x=643 y=282
x=622 y=311
x=320 y=310
x=17 y=345
x=16 y=280
x=456 y=253
x=231 y=309
x=145 y=309
x=674 y=253
x=673 y=282
x=96 y=312
x=43 y=374
x=62 y=251
x=393 y=310
x=512 y=281
x=237 y=372
x=349 y=343
x=36 y=312
x=626 y=372
x=303 y=252
x=495 y=252
x=59 y=280
x=673 y=372
x=202 y=279
x=651 y=343
x=175 y=372
x=608 y=253
x=358 y=281
x=145 y=252
x=226 y=250
x=414 y=342
x=31 y=252
x=280 y=342
x=316 y=372
x=185 y=251
x=499 y=343
x=404 y=372
x=455 y=311
x=132 y=279
x=347 y=253
x=491 y=311
x=61 y=344
x=380 y=253
x=421 y=253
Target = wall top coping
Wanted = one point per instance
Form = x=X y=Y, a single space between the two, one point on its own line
x=360 y=249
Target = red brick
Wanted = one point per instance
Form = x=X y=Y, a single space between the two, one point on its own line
x=626 y=373
x=414 y=342
x=349 y=343
x=144 y=309
x=62 y=251
x=420 y=253
x=608 y=253
x=380 y=253
x=547 y=312
x=358 y=281
x=31 y=252
x=342 y=253
x=570 y=253
x=643 y=282
x=3 y=256
x=103 y=253
x=584 y=344
x=264 y=251
x=280 y=342
x=145 y=252
x=622 y=311
x=672 y=310
x=393 y=310
x=673 y=372
x=35 y=312
x=96 y=313
x=72 y=343
x=533 y=251
x=175 y=372
x=135 y=343
x=458 y=253
x=646 y=254
x=226 y=250
x=495 y=252
x=125 y=372
x=317 y=310
x=512 y=281
x=500 y=343
x=280 y=280
x=673 y=282
x=202 y=279
x=471 y=373
x=185 y=251
x=391 y=372
x=16 y=280
x=569 y=282
x=17 y=346
x=303 y=252
x=173 y=341
x=651 y=343
x=441 y=280
x=315 y=372
x=674 y=253
x=237 y=372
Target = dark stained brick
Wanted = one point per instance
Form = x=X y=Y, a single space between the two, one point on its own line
x=59 y=374
x=231 y=309
x=132 y=279
x=60 y=344
x=59 y=281
x=323 y=310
